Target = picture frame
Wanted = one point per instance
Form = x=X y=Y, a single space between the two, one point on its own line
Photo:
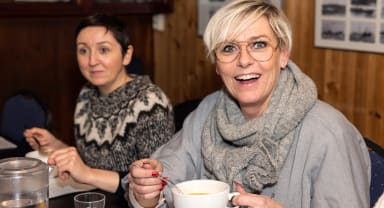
x=350 y=25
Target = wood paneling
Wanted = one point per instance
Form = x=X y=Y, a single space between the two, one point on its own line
x=348 y=80
x=72 y=8
x=38 y=54
x=181 y=67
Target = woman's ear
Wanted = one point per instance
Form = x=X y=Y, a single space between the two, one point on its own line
x=128 y=55
x=284 y=58
x=217 y=70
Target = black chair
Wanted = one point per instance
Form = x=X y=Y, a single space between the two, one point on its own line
x=22 y=110
x=376 y=154
x=182 y=110
x=135 y=67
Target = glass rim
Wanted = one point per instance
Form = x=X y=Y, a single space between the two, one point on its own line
x=238 y=53
x=249 y=53
x=77 y=198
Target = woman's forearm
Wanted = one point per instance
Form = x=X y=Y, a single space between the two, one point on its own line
x=103 y=179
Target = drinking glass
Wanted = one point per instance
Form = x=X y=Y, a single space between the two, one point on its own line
x=89 y=200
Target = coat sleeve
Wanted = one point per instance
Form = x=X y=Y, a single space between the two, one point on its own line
x=181 y=157
x=337 y=163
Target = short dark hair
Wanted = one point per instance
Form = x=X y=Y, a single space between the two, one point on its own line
x=111 y=23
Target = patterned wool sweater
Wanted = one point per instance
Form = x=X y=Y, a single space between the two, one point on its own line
x=128 y=124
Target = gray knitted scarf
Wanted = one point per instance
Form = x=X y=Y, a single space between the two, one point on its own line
x=253 y=151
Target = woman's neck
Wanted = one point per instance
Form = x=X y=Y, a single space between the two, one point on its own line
x=105 y=90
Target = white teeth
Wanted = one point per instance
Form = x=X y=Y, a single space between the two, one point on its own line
x=248 y=76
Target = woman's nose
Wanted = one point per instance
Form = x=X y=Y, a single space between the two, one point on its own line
x=245 y=57
x=93 y=59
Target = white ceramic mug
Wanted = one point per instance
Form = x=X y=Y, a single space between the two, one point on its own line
x=202 y=194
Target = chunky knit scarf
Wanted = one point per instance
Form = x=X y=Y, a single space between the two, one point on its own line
x=253 y=151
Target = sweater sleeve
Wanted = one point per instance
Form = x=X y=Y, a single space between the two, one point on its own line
x=153 y=129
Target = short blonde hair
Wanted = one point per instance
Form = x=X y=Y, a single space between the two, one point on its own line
x=230 y=20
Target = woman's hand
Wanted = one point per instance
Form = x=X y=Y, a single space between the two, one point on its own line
x=253 y=200
x=69 y=164
x=42 y=140
x=144 y=182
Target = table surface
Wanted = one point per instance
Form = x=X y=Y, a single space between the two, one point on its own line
x=66 y=201
x=6 y=144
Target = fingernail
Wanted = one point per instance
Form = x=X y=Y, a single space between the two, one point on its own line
x=238 y=183
x=155 y=174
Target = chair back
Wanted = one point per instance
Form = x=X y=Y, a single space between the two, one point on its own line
x=182 y=110
x=376 y=154
x=20 y=111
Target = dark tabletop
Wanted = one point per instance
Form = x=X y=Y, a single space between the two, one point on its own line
x=66 y=201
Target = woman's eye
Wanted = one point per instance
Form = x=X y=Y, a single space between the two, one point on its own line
x=229 y=48
x=82 y=51
x=104 y=50
x=259 y=44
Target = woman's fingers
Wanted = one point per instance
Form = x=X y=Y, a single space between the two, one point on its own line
x=32 y=142
x=149 y=195
x=253 y=200
x=239 y=187
x=38 y=137
x=145 y=168
x=143 y=179
x=67 y=161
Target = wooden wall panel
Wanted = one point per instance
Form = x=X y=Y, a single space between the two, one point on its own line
x=181 y=68
x=350 y=81
x=37 y=57
x=38 y=54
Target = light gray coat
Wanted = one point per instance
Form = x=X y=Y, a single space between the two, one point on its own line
x=327 y=166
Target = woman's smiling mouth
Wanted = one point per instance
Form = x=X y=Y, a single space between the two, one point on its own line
x=248 y=77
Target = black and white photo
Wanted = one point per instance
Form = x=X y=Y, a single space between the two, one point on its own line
x=350 y=24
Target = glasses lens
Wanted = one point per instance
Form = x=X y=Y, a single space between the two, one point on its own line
x=228 y=52
x=262 y=54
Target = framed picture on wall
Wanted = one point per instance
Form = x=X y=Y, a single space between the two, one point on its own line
x=208 y=7
x=350 y=24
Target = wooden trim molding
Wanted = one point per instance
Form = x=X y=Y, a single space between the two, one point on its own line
x=81 y=8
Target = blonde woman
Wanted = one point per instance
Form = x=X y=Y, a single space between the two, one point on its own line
x=266 y=129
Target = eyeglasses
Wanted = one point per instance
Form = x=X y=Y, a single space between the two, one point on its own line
x=227 y=52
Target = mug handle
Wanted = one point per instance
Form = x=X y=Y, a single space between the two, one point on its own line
x=230 y=198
